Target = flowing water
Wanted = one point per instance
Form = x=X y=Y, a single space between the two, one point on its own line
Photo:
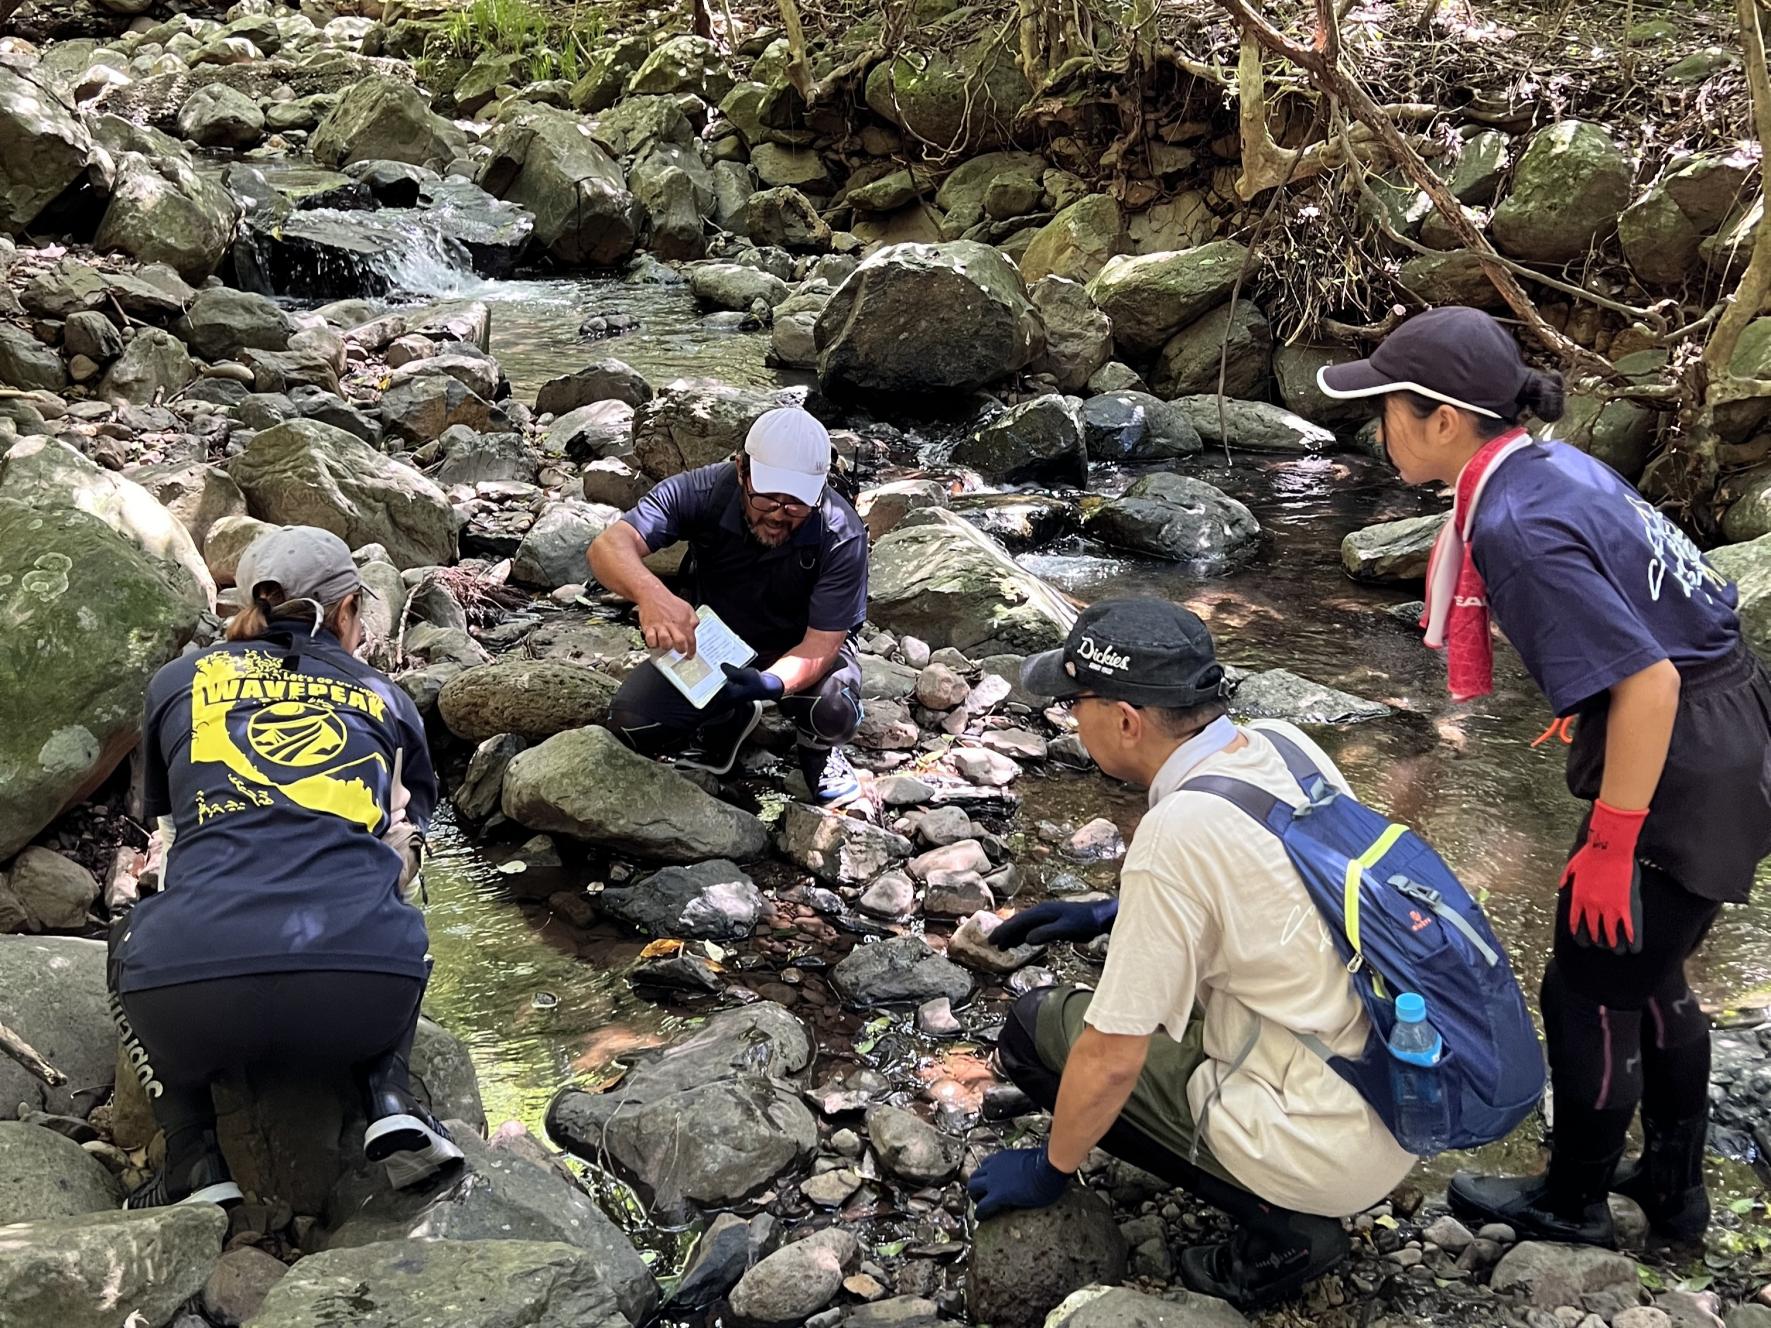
x=541 y=1006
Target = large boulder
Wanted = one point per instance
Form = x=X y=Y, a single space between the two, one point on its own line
x=875 y=334
x=547 y=160
x=1150 y=297
x=507 y=1191
x=100 y=1269
x=1037 y=441
x=939 y=578
x=425 y=1283
x=197 y=494
x=1749 y=567
x=693 y=423
x=1547 y=1275
x=1663 y=231
x=533 y=698
x=46 y=473
x=1078 y=336
x=221 y=323
x=89 y=617
x=163 y=211
x=218 y=116
x=1076 y=243
x=1025 y=1262
x=385 y=119
x=27 y=364
x=153 y=366
x=1135 y=426
x=709 y=1121
x=959 y=103
x=1252 y=426
x=552 y=553
x=53 y=991
x=1241 y=344
x=1294 y=372
x=1392 y=552
x=44 y=148
x=304 y=473
x=961 y=195
x=1177 y=517
x=1749 y=513
x=585 y=784
x=1568 y=190
x=45 y=1174
x=683 y=64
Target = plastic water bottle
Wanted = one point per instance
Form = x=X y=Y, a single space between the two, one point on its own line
x=1422 y=1119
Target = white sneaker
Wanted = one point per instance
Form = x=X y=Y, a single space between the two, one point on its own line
x=415 y=1148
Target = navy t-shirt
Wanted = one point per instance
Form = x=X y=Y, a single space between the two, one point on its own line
x=1589 y=581
x=275 y=760
x=816 y=581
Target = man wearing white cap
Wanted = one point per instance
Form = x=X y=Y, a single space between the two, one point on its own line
x=782 y=559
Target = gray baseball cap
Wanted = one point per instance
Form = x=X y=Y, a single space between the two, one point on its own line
x=305 y=562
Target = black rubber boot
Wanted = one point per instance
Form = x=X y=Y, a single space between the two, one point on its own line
x=1567 y=1203
x=1272 y=1255
x=1667 y=1180
x=200 y=1177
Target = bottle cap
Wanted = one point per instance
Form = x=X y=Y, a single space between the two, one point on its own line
x=1411 y=1007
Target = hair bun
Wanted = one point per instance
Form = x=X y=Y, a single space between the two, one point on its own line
x=1543 y=395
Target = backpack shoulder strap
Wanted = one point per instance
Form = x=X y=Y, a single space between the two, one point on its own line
x=1272 y=812
x=1302 y=768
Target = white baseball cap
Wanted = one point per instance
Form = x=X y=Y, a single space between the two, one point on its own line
x=789 y=453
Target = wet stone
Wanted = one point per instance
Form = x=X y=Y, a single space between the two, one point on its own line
x=982 y=766
x=832 y=1189
x=910 y=1148
x=892 y=895
x=901 y=969
x=1097 y=841
x=966 y=855
x=959 y=896
x=851 y=1088
x=971 y=946
x=936 y=1018
x=944 y=825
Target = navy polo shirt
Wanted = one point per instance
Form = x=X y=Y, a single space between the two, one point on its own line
x=1589 y=581
x=274 y=758
x=816 y=581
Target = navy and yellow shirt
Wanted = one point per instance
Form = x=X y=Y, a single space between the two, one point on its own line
x=817 y=580
x=275 y=760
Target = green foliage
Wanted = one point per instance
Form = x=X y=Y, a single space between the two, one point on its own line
x=550 y=43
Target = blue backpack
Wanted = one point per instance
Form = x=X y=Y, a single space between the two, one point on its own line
x=1402 y=922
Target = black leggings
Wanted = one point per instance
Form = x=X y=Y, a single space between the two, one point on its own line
x=1626 y=1029
x=183 y=1037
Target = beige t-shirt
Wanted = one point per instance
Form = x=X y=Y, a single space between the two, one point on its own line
x=1213 y=915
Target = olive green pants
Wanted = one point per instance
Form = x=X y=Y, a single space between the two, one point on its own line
x=1158 y=1108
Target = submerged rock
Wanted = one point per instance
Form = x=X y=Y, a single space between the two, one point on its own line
x=875 y=334
x=1175 y=517
x=1392 y=551
x=898 y=970
x=708 y=1121
x=584 y=783
x=711 y=900
x=1281 y=694
x=1025 y=1262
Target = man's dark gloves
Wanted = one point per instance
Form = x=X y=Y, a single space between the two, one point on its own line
x=1057 y=920
x=1015 y=1178
x=744 y=685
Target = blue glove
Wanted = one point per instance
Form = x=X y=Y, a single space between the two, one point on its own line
x=744 y=685
x=1057 y=920
x=1015 y=1178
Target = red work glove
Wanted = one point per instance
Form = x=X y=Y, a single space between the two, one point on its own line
x=1605 y=907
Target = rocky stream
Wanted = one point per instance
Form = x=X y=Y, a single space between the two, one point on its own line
x=282 y=265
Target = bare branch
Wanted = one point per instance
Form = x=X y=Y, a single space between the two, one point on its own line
x=15 y=1047
x=799 y=70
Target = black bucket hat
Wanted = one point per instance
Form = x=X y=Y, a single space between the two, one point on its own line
x=1454 y=354
x=1145 y=652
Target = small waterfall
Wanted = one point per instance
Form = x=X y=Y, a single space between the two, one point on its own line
x=329 y=253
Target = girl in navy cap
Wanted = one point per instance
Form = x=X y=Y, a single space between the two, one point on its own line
x=1634 y=639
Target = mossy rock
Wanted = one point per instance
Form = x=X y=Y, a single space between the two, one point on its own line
x=1568 y=191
